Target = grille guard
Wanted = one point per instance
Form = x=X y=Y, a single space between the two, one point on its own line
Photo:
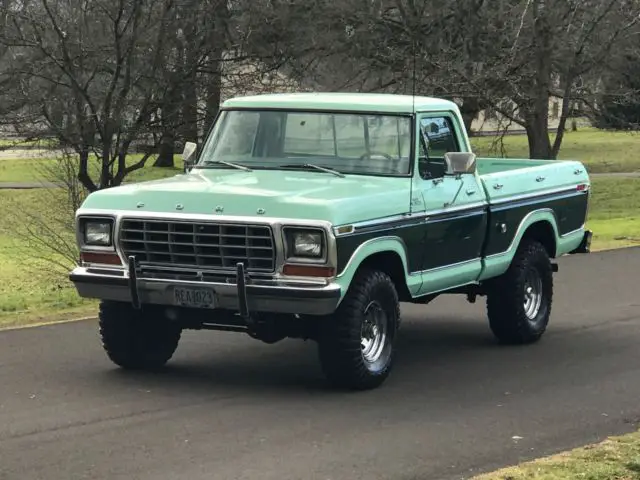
x=241 y=285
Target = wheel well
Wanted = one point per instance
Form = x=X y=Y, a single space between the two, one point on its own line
x=391 y=264
x=543 y=232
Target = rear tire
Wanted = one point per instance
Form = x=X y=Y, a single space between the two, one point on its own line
x=137 y=339
x=356 y=347
x=519 y=301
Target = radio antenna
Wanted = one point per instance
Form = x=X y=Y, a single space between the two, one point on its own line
x=413 y=87
x=415 y=127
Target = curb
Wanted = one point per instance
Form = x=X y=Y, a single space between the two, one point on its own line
x=47 y=323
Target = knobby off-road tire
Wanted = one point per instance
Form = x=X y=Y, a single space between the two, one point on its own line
x=356 y=346
x=136 y=339
x=519 y=301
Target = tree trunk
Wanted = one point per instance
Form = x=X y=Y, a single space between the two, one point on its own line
x=217 y=40
x=170 y=121
x=83 y=172
x=538 y=136
x=214 y=86
x=166 y=152
x=189 y=86
x=469 y=110
x=564 y=115
x=105 y=171
x=538 y=119
x=190 y=107
x=167 y=141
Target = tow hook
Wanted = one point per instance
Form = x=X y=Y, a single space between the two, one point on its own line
x=243 y=303
x=133 y=283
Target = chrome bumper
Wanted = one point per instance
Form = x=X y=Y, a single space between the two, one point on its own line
x=243 y=296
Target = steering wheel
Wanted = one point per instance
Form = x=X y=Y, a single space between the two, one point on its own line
x=370 y=154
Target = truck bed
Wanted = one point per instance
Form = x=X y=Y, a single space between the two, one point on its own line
x=504 y=178
x=522 y=191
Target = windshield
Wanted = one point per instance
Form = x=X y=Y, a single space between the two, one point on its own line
x=349 y=143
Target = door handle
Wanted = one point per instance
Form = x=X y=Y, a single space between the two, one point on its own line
x=497 y=186
x=470 y=192
x=577 y=171
x=540 y=179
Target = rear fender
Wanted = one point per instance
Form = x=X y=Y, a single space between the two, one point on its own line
x=497 y=264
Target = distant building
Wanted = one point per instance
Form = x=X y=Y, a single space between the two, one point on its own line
x=490 y=120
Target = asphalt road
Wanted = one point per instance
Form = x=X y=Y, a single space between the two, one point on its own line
x=230 y=407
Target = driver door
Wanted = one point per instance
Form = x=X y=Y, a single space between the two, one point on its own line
x=454 y=205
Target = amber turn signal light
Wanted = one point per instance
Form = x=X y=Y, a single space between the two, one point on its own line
x=308 y=271
x=99 y=257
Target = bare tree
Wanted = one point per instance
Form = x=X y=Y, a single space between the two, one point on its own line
x=101 y=74
x=511 y=55
x=535 y=49
x=88 y=73
x=45 y=230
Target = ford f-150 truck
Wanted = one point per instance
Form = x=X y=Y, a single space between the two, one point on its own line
x=313 y=216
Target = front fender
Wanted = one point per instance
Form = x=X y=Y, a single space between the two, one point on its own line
x=389 y=244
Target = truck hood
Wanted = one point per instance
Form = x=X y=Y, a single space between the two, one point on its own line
x=268 y=193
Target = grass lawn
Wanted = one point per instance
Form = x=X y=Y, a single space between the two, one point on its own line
x=617 y=458
x=6 y=143
x=33 y=289
x=614 y=213
x=30 y=170
x=600 y=151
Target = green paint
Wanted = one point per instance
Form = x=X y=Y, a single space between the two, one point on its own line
x=568 y=243
x=341 y=102
x=508 y=178
x=452 y=239
x=441 y=279
x=496 y=264
x=569 y=213
x=410 y=235
x=436 y=225
x=281 y=194
x=393 y=245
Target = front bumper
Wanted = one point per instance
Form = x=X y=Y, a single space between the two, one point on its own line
x=585 y=244
x=243 y=296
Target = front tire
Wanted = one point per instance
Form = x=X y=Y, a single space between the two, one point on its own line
x=137 y=339
x=356 y=348
x=519 y=301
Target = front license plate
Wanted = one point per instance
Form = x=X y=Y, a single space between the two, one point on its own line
x=194 y=297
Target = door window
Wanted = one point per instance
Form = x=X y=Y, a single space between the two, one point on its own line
x=437 y=137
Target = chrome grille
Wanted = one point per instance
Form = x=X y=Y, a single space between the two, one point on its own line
x=205 y=245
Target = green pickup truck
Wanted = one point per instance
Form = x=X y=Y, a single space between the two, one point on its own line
x=313 y=216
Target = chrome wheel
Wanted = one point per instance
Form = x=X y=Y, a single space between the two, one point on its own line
x=373 y=334
x=532 y=294
x=356 y=345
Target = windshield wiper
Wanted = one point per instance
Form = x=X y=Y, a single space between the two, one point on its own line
x=311 y=165
x=222 y=162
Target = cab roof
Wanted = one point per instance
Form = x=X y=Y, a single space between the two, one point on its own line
x=361 y=102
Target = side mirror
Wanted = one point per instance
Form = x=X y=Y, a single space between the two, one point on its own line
x=189 y=155
x=458 y=163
